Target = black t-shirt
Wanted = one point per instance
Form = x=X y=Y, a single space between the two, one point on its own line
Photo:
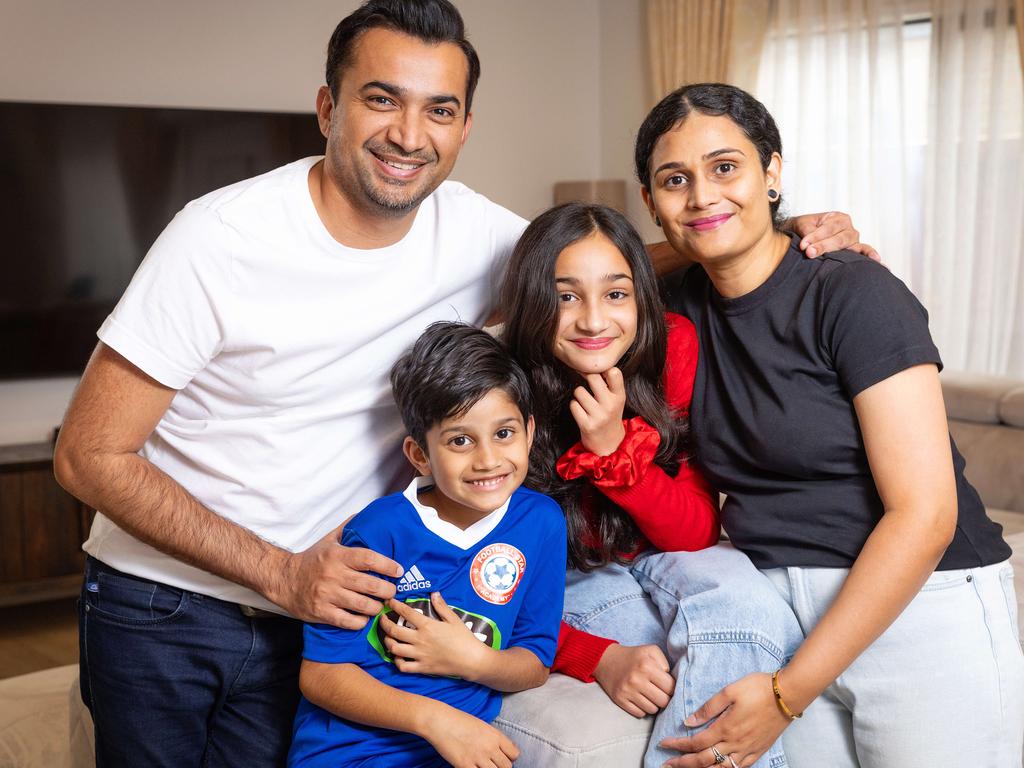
x=772 y=413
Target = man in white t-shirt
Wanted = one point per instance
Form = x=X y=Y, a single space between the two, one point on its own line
x=237 y=408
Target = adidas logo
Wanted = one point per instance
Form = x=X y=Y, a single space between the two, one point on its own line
x=412 y=579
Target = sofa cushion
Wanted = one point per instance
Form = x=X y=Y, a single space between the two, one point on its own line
x=34 y=719
x=80 y=729
x=1011 y=407
x=569 y=724
x=993 y=455
x=1012 y=522
x=976 y=398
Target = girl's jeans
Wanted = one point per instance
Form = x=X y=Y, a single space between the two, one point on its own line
x=716 y=617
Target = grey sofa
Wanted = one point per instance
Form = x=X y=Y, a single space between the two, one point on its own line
x=565 y=723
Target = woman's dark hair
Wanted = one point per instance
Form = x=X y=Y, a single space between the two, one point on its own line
x=529 y=301
x=432 y=21
x=715 y=99
x=449 y=369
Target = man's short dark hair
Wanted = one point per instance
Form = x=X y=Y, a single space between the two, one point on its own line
x=448 y=370
x=432 y=21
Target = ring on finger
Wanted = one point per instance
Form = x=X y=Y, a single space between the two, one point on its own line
x=719 y=757
x=732 y=762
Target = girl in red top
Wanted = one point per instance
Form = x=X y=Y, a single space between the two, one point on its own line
x=612 y=376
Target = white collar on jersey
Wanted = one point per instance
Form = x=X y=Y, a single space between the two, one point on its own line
x=463 y=539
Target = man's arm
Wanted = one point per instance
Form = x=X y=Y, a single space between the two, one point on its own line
x=448 y=648
x=350 y=693
x=826 y=232
x=114 y=410
x=665 y=258
x=819 y=232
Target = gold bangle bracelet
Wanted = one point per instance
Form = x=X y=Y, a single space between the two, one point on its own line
x=778 y=698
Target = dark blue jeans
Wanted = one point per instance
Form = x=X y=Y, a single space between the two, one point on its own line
x=177 y=679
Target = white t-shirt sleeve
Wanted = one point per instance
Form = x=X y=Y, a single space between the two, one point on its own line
x=169 y=322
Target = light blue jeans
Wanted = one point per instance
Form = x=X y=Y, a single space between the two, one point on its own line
x=716 y=617
x=942 y=686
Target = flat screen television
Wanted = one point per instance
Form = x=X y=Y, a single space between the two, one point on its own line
x=84 y=192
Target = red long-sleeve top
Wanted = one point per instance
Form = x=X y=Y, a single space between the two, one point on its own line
x=673 y=514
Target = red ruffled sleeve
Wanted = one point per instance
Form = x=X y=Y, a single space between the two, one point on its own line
x=626 y=466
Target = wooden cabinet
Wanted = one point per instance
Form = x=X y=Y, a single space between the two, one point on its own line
x=42 y=528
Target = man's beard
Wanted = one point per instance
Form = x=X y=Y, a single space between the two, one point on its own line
x=395 y=204
x=398 y=200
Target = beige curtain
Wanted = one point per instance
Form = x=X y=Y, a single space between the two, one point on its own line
x=689 y=42
x=1019 y=15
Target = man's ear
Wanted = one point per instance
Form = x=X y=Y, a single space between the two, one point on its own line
x=324 y=109
x=465 y=130
x=416 y=456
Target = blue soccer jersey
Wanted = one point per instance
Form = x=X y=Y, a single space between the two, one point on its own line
x=504 y=576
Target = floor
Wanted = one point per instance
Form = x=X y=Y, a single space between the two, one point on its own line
x=38 y=636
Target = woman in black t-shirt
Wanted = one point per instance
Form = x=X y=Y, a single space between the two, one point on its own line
x=817 y=409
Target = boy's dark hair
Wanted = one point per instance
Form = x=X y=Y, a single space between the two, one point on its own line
x=432 y=21
x=448 y=370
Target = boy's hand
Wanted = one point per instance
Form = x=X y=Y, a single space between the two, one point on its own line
x=598 y=412
x=636 y=678
x=465 y=741
x=432 y=647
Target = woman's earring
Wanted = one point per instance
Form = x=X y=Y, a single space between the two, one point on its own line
x=657 y=222
x=773 y=195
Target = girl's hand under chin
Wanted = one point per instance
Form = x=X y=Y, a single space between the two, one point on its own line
x=598 y=411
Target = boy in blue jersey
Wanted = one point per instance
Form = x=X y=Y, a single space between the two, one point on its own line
x=477 y=610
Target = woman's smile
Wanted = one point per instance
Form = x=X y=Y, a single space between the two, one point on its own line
x=707 y=223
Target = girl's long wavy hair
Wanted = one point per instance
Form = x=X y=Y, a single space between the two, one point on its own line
x=529 y=300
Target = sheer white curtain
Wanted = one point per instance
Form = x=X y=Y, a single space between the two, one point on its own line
x=832 y=76
x=907 y=114
x=973 y=272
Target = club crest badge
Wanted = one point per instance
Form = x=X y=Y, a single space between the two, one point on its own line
x=496 y=572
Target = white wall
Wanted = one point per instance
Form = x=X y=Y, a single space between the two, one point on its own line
x=558 y=97
x=537 y=111
x=536 y=108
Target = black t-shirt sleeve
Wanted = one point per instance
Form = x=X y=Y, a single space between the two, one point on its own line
x=872 y=326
